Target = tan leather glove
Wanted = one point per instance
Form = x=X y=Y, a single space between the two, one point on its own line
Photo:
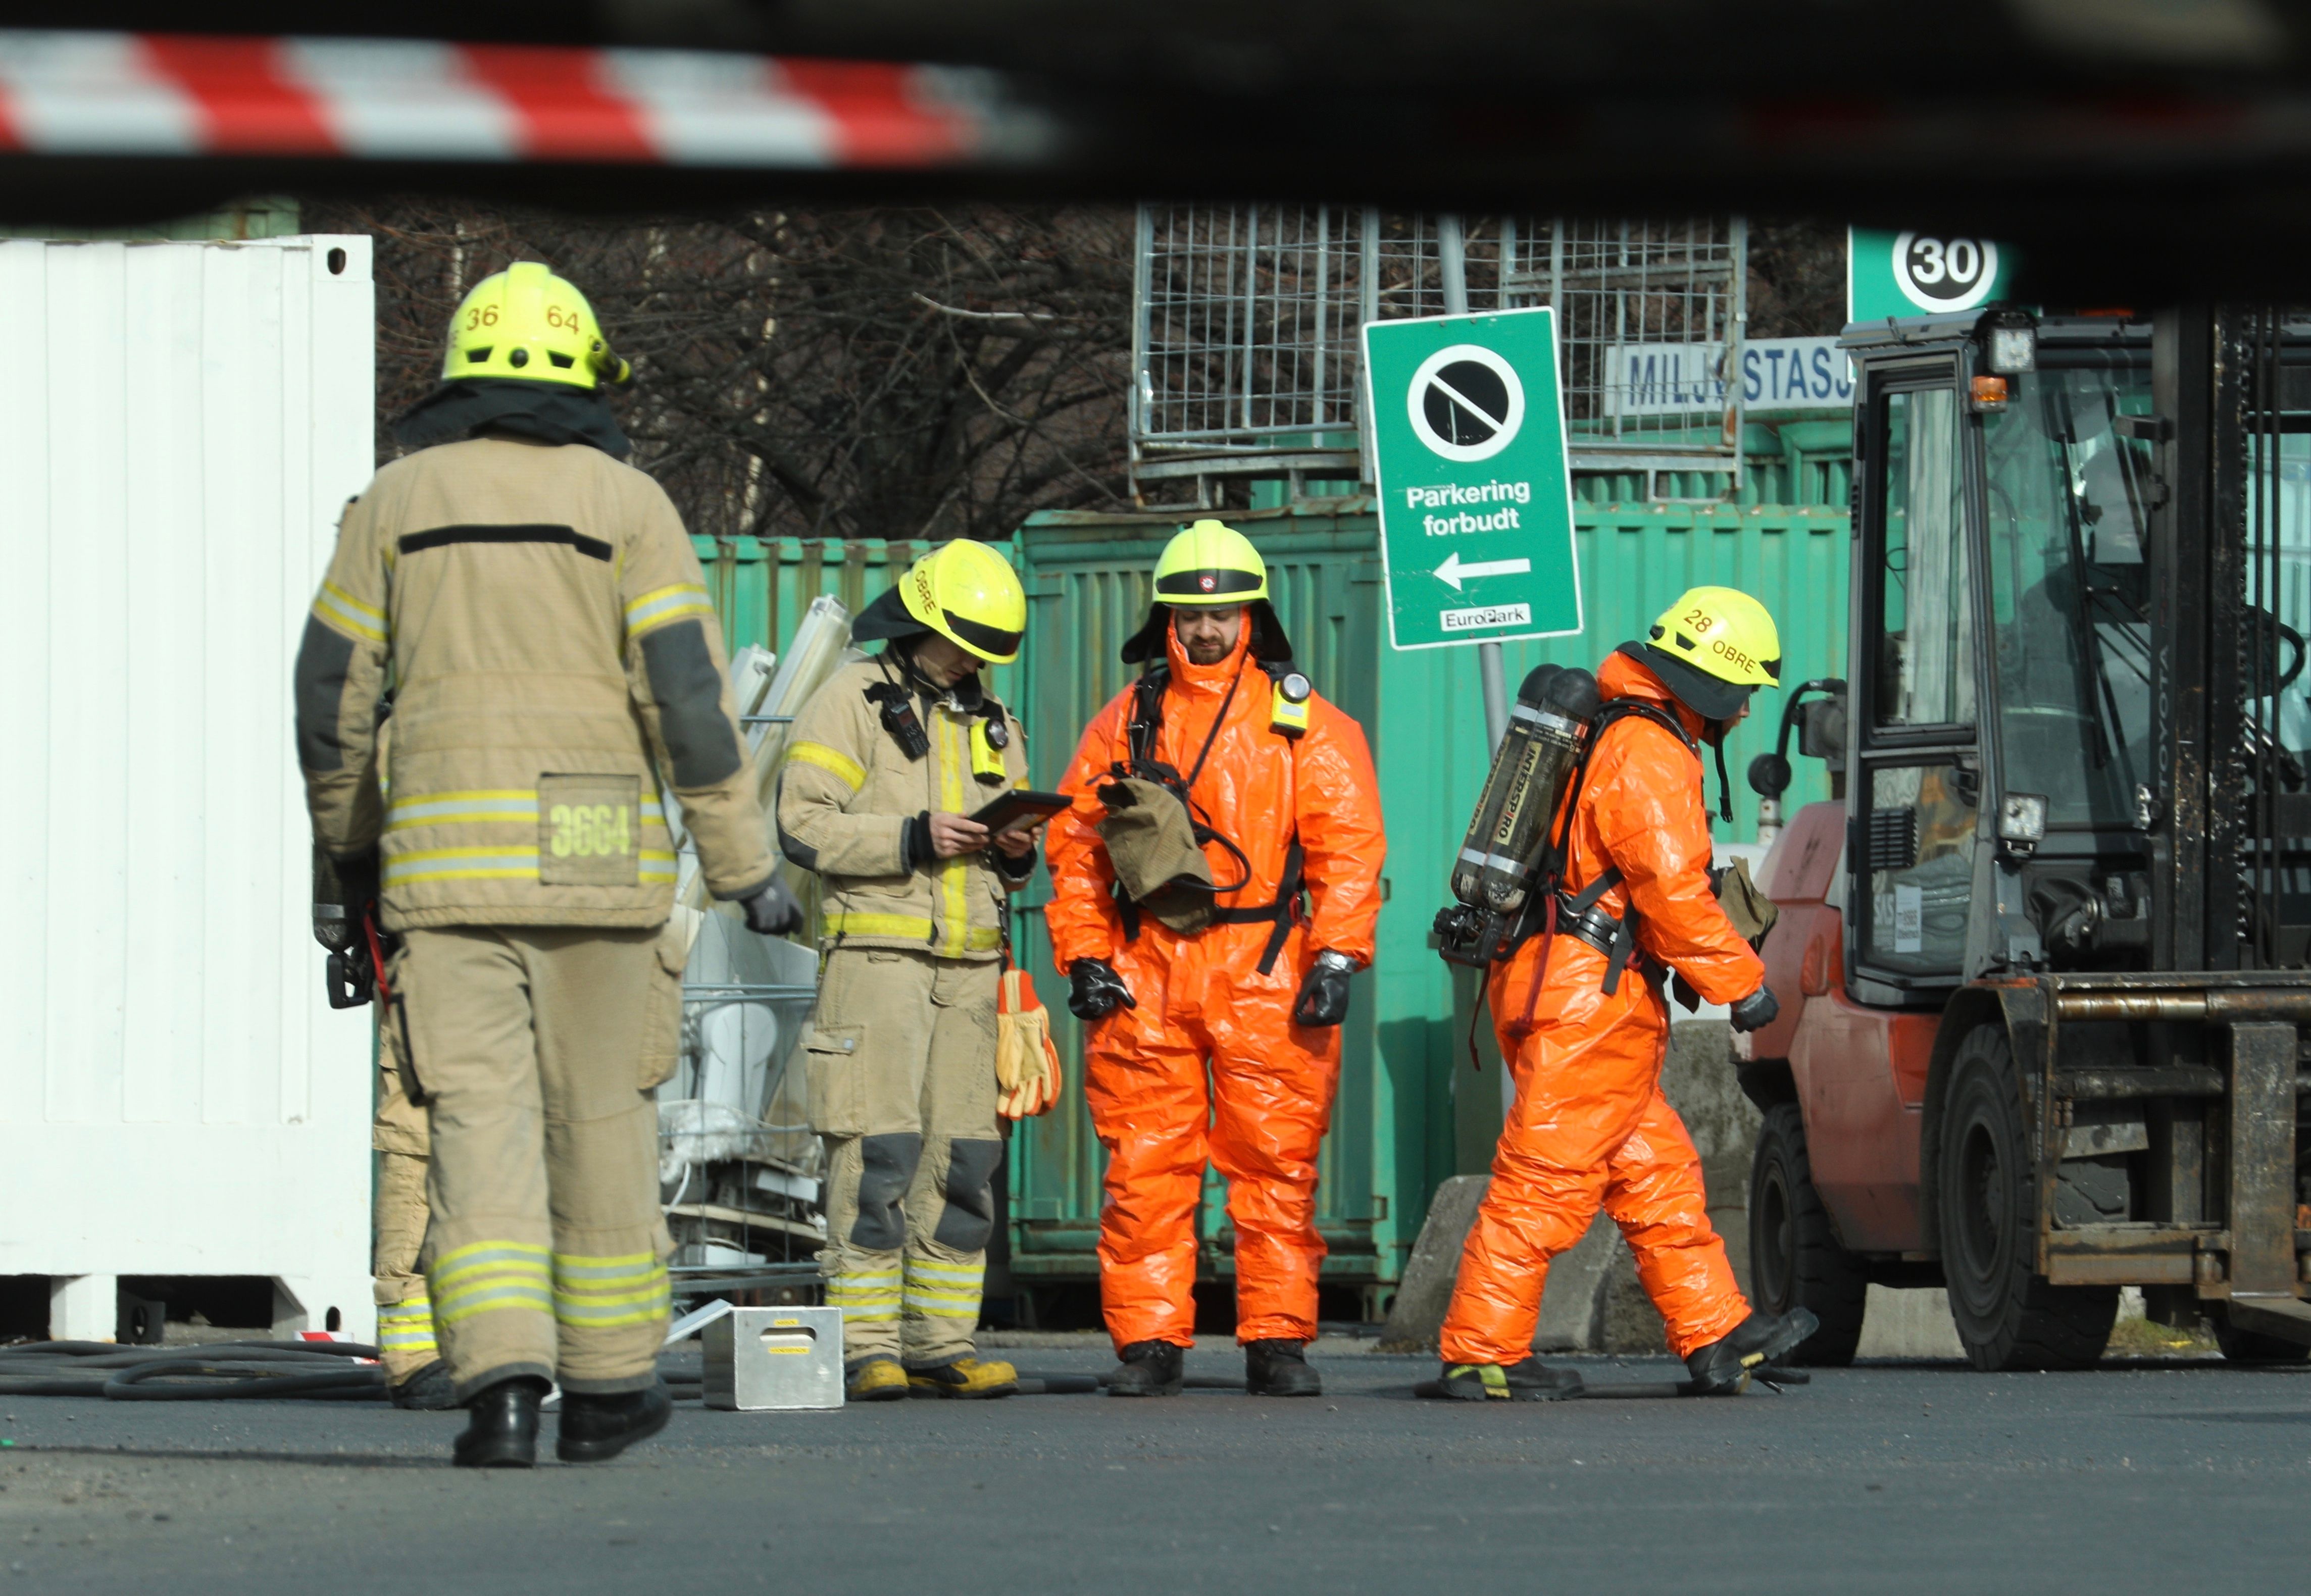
x=1028 y=1078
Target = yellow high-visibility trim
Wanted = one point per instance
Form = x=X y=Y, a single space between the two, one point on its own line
x=948 y=1274
x=445 y=808
x=942 y=1307
x=954 y=737
x=607 y=1292
x=406 y=1326
x=511 y=1295
x=499 y=863
x=663 y=606
x=913 y=927
x=483 y=1276
x=514 y=804
x=335 y=603
x=461 y=1261
x=844 y=768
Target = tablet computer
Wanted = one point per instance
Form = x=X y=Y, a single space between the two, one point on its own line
x=1020 y=807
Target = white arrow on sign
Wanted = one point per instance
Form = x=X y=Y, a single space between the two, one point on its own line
x=1453 y=571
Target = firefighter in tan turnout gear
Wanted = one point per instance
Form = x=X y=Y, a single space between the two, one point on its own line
x=539 y=612
x=885 y=762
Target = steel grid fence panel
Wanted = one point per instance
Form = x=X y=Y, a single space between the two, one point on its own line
x=1247 y=332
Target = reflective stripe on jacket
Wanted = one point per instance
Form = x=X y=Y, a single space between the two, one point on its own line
x=546 y=631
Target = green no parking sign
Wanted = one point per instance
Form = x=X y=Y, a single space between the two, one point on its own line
x=1476 y=504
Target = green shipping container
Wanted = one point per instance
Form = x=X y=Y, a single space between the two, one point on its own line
x=1410 y=1111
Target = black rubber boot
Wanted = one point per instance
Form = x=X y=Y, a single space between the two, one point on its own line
x=595 y=1429
x=503 y=1431
x=1724 y=1367
x=1149 y=1369
x=1529 y=1381
x=1279 y=1369
x=429 y=1390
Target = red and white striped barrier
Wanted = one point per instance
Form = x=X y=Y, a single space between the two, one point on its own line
x=146 y=94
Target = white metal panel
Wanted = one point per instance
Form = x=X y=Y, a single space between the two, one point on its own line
x=183 y=429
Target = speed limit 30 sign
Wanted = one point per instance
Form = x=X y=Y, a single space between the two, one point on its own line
x=1921 y=273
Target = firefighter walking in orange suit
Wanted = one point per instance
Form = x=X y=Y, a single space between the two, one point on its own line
x=1582 y=1020
x=1214 y=965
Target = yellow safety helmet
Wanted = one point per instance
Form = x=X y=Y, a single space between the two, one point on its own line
x=1210 y=563
x=527 y=323
x=1713 y=648
x=968 y=593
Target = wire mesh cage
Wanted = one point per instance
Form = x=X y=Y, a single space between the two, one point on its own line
x=738 y=1166
x=1650 y=318
x=1247 y=355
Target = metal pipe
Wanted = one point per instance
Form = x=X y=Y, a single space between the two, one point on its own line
x=2219 y=1006
x=1452 y=265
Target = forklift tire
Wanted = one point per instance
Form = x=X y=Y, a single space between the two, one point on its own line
x=2008 y=1317
x=1794 y=1258
x=2250 y=1347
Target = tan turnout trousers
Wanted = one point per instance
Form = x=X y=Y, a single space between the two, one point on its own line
x=404 y=1312
x=537 y=1048
x=900 y=1064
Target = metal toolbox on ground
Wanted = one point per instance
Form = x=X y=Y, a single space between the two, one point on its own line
x=760 y=1359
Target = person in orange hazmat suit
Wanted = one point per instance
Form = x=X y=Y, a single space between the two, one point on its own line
x=1284 y=799
x=1582 y=1021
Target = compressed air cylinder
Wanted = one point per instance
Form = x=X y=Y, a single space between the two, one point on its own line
x=1508 y=761
x=1556 y=712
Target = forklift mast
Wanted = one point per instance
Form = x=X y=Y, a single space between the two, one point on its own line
x=2232 y=438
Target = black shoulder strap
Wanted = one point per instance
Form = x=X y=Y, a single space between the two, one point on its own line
x=1146 y=714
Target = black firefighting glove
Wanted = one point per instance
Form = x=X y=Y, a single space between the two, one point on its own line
x=342 y=891
x=1324 y=996
x=1094 y=991
x=772 y=911
x=1756 y=1011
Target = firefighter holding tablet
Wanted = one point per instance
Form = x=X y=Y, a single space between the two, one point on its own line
x=886 y=764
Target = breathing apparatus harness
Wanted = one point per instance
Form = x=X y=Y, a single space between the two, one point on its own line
x=1289 y=719
x=1468 y=936
x=894 y=698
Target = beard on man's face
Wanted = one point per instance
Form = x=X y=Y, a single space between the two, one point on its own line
x=1205 y=649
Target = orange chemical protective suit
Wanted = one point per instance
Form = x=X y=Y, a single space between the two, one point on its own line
x=1590 y=1124
x=1202 y=1000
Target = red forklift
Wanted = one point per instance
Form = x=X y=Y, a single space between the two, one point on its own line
x=2042 y=957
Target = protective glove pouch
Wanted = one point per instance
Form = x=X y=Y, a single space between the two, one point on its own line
x=1151 y=841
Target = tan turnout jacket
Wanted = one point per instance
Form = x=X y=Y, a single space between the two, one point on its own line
x=847 y=793
x=544 y=626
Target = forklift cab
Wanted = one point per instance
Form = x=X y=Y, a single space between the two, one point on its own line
x=2047 y=946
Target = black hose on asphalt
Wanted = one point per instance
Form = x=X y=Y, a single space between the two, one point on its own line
x=219 y=1370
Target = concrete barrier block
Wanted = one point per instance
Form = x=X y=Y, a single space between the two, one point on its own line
x=1908 y=1324
x=1425 y=1291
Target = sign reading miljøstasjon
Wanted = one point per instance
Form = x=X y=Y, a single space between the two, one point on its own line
x=1476 y=504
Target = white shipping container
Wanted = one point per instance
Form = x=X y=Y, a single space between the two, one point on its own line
x=180 y=427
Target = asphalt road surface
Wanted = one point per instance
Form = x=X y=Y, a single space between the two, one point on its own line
x=1882 y=1477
